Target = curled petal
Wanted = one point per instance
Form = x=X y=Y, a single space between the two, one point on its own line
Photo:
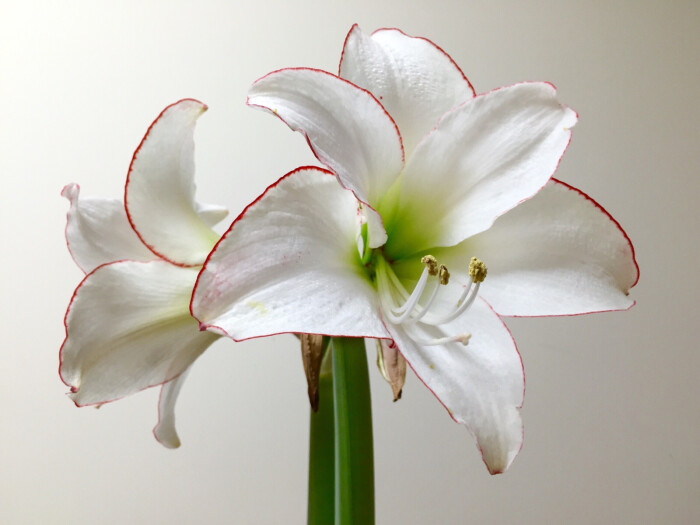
x=481 y=384
x=346 y=127
x=415 y=80
x=559 y=253
x=159 y=194
x=484 y=158
x=290 y=263
x=211 y=214
x=128 y=328
x=98 y=232
x=165 y=431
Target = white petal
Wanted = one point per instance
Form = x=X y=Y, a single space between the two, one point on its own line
x=415 y=80
x=211 y=214
x=347 y=129
x=128 y=327
x=559 y=253
x=481 y=384
x=98 y=232
x=290 y=263
x=483 y=159
x=160 y=188
x=165 y=431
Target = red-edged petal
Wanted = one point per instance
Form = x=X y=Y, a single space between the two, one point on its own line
x=98 y=232
x=128 y=328
x=347 y=128
x=481 y=384
x=415 y=80
x=483 y=159
x=559 y=253
x=290 y=263
x=159 y=193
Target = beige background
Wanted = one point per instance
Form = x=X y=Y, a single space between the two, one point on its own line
x=612 y=419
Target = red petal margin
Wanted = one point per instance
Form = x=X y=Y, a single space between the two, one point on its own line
x=128 y=175
x=522 y=366
x=612 y=219
x=73 y=388
x=624 y=234
x=398 y=134
x=322 y=72
x=306 y=137
x=437 y=125
x=356 y=26
x=218 y=329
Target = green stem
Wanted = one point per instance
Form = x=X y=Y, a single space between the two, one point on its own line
x=354 y=458
x=321 y=509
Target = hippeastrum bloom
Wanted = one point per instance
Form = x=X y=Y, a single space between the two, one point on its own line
x=437 y=183
x=128 y=325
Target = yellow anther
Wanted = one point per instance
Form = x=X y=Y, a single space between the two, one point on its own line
x=443 y=274
x=477 y=270
x=431 y=264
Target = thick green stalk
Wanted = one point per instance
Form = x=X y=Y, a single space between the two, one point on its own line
x=321 y=501
x=354 y=457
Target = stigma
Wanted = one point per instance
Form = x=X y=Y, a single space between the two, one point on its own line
x=401 y=308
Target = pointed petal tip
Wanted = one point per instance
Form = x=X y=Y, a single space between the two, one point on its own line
x=498 y=463
x=571 y=114
x=204 y=327
x=170 y=442
x=189 y=101
x=71 y=191
x=74 y=395
x=316 y=104
x=163 y=166
x=495 y=471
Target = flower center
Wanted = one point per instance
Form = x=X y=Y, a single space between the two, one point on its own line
x=402 y=308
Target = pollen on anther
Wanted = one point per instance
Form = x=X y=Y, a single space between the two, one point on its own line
x=477 y=270
x=444 y=274
x=431 y=264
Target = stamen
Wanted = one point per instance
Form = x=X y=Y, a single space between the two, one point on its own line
x=412 y=309
x=424 y=309
x=408 y=306
x=477 y=270
x=431 y=268
x=430 y=263
x=461 y=308
x=444 y=278
x=460 y=338
x=443 y=274
x=399 y=314
x=466 y=291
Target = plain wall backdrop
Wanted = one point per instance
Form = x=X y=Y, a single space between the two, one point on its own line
x=611 y=412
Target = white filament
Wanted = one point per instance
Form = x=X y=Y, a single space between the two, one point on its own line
x=460 y=338
x=407 y=308
x=412 y=311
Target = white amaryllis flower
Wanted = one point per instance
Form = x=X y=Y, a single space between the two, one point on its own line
x=437 y=176
x=128 y=325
